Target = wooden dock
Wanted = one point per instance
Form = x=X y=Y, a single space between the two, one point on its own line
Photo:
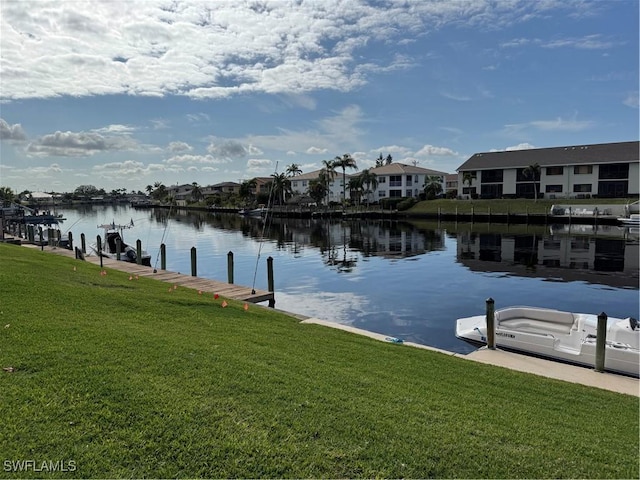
x=228 y=290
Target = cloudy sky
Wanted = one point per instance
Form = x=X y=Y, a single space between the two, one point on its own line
x=123 y=94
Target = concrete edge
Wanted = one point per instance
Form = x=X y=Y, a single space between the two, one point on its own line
x=515 y=361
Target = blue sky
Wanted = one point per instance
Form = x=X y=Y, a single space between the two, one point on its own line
x=125 y=94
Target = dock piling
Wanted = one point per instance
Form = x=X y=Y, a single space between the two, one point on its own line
x=601 y=341
x=194 y=269
x=230 y=267
x=270 y=282
x=491 y=324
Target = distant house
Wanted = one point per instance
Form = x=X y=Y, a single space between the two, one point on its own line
x=581 y=171
x=451 y=184
x=397 y=180
x=180 y=193
x=223 y=187
x=300 y=184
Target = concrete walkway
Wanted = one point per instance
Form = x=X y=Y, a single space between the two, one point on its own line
x=522 y=363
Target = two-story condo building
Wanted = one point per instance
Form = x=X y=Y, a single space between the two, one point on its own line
x=582 y=171
x=399 y=180
x=300 y=185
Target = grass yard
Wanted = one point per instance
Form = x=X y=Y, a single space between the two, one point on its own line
x=519 y=205
x=125 y=378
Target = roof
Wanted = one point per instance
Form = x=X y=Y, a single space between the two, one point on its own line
x=401 y=168
x=622 y=152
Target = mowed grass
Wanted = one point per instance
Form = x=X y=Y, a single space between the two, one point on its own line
x=520 y=206
x=128 y=379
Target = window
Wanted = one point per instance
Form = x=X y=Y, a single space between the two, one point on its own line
x=409 y=179
x=395 y=180
x=492 y=176
x=304 y=183
x=522 y=176
x=582 y=169
x=469 y=190
x=553 y=189
x=614 y=171
x=382 y=193
x=395 y=193
x=382 y=180
x=582 y=188
x=294 y=184
x=408 y=193
x=555 y=170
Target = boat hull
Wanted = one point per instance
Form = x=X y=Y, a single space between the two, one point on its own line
x=571 y=341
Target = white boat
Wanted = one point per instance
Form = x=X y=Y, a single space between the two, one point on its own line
x=261 y=211
x=564 y=336
x=113 y=232
x=633 y=219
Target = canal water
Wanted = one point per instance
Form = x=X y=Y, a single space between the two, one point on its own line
x=410 y=280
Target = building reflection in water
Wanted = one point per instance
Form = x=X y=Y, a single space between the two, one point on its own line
x=561 y=253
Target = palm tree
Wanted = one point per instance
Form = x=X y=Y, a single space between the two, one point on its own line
x=355 y=189
x=379 y=161
x=533 y=172
x=467 y=178
x=344 y=162
x=432 y=186
x=281 y=186
x=327 y=174
x=369 y=180
x=318 y=189
x=196 y=192
x=247 y=188
x=293 y=170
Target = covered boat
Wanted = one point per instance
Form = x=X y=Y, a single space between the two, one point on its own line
x=113 y=233
x=558 y=335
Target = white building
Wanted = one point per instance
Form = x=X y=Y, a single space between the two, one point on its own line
x=300 y=185
x=582 y=171
x=397 y=180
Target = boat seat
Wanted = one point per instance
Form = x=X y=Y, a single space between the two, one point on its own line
x=536 y=326
x=537 y=320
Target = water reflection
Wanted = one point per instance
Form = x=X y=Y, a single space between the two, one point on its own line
x=559 y=252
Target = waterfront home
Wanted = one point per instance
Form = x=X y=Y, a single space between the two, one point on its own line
x=396 y=180
x=579 y=171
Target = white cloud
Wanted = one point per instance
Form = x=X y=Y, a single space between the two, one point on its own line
x=520 y=146
x=214 y=50
x=179 y=147
x=316 y=150
x=78 y=144
x=632 y=100
x=431 y=150
x=11 y=132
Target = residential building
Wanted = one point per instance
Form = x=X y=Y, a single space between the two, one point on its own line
x=397 y=180
x=300 y=184
x=451 y=184
x=581 y=171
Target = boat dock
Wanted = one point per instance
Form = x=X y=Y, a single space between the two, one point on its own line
x=228 y=290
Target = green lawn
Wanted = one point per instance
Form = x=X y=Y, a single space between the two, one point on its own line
x=125 y=378
x=519 y=205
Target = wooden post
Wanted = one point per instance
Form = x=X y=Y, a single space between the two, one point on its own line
x=70 y=241
x=491 y=324
x=601 y=341
x=270 y=283
x=118 y=247
x=139 y=252
x=83 y=243
x=163 y=256
x=230 y=267
x=194 y=270
x=99 y=246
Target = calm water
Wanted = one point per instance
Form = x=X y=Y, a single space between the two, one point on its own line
x=409 y=280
